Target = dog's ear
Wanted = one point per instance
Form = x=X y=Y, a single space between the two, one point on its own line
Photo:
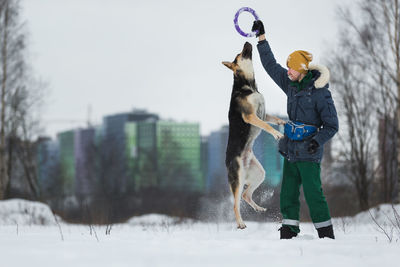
x=228 y=64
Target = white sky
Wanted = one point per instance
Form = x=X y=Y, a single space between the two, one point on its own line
x=163 y=56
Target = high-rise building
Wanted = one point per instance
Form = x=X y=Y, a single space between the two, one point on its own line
x=266 y=151
x=47 y=161
x=131 y=152
x=217 y=176
x=204 y=159
x=66 y=141
x=115 y=144
x=85 y=161
x=147 y=156
x=178 y=156
x=169 y=156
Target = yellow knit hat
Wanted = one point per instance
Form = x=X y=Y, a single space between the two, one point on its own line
x=299 y=60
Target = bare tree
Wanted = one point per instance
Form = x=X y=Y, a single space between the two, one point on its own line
x=5 y=21
x=20 y=98
x=356 y=103
x=379 y=41
x=388 y=139
x=366 y=79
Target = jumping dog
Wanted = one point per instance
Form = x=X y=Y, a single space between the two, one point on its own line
x=246 y=119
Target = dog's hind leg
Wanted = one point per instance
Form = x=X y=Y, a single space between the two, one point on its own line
x=255 y=177
x=236 y=181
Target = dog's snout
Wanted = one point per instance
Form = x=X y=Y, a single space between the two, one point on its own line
x=247 y=50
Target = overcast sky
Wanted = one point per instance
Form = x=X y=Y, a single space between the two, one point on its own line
x=163 y=56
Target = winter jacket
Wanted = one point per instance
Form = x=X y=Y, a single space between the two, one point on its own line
x=312 y=105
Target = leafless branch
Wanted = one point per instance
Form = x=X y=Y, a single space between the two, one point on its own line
x=388 y=234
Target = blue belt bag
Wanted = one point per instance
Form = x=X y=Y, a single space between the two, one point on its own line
x=298 y=131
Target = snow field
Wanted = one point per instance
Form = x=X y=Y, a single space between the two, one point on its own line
x=158 y=240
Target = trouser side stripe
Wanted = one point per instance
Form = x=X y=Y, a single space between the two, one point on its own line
x=323 y=224
x=290 y=222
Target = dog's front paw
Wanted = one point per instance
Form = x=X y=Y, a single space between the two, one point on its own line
x=277 y=135
x=281 y=122
x=241 y=225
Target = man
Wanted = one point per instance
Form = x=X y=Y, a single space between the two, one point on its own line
x=312 y=122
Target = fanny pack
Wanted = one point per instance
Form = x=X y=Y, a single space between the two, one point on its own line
x=298 y=131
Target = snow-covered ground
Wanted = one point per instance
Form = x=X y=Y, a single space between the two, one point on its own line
x=157 y=240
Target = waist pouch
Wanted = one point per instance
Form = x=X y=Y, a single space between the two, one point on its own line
x=298 y=131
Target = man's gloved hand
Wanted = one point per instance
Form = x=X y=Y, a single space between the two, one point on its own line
x=313 y=146
x=258 y=26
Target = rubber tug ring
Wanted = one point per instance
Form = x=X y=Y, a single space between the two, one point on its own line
x=235 y=21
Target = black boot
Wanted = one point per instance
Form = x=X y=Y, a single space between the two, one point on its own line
x=326 y=232
x=286 y=232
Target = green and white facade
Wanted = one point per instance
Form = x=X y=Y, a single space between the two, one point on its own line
x=169 y=156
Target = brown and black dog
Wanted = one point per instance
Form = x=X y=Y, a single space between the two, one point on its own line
x=246 y=119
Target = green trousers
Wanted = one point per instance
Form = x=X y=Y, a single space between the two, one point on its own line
x=307 y=174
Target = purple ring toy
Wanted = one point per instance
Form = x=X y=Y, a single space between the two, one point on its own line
x=235 y=20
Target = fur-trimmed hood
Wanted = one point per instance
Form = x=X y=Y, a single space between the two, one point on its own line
x=324 y=77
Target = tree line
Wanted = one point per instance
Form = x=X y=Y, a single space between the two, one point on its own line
x=365 y=64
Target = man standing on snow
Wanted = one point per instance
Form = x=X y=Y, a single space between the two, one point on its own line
x=312 y=122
